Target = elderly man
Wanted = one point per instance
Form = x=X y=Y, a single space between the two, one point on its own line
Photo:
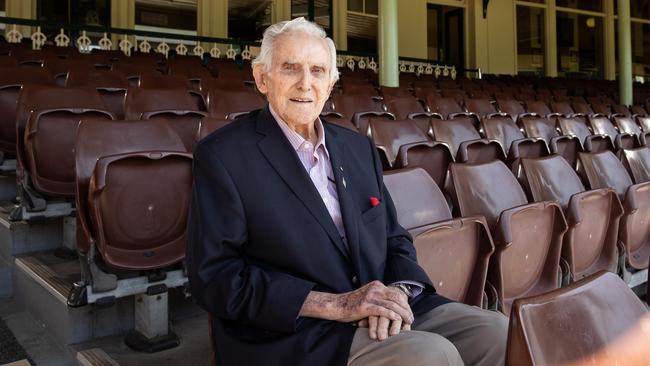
x=293 y=240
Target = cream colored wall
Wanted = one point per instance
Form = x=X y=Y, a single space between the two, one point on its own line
x=501 y=37
x=25 y=9
x=412 y=28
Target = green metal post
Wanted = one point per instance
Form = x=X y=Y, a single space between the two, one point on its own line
x=388 y=50
x=624 y=53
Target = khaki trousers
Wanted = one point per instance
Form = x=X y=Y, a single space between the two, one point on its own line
x=450 y=334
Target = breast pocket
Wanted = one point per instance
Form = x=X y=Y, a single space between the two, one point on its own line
x=372 y=213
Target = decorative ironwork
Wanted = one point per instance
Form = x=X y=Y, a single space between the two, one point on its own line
x=14 y=36
x=181 y=49
x=84 y=43
x=38 y=39
x=61 y=39
x=125 y=45
x=105 y=43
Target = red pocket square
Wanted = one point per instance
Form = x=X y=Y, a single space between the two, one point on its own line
x=374 y=201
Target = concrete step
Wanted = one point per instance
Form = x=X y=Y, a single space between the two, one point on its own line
x=6 y=285
x=19 y=237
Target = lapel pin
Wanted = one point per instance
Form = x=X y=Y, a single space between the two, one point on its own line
x=341 y=168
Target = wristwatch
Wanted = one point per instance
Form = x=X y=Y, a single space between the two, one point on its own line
x=405 y=288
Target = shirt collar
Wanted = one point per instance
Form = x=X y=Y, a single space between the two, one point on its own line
x=295 y=139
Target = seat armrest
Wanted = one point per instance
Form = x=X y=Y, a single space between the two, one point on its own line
x=150 y=114
x=358 y=115
x=573 y=212
x=424 y=114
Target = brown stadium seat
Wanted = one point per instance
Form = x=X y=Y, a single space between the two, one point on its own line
x=454 y=132
x=602 y=108
x=173 y=105
x=605 y=170
x=46 y=124
x=360 y=88
x=407 y=107
x=134 y=71
x=595 y=321
x=514 y=144
x=574 y=127
x=228 y=104
x=358 y=109
x=583 y=108
x=527 y=237
x=60 y=68
x=637 y=163
x=592 y=216
x=141 y=227
x=638 y=110
x=8 y=61
x=644 y=123
x=480 y=151
x=111 y=86
x=99 y=138
x=513 y=108
x=544 y=128
x=395 y=92
x=540 y=108
x=389 y=135
x=209 y=125
x=564 y=108
x=448 y=108
x=627 y=125
x=433 y=157
x=11 y=82
x=481 y=107
x=603 y=126
x=190 y=68
x=621 y=110
x=225 y=83
x=453 y=252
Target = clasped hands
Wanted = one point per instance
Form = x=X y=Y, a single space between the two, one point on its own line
x=384 y=310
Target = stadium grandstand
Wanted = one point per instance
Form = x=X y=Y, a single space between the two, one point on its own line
x=514 y=138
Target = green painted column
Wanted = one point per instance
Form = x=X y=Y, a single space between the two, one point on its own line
x=624 y=53
x=388 y=50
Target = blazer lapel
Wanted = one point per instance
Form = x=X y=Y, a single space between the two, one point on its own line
x=349 y=210
x=278 y=151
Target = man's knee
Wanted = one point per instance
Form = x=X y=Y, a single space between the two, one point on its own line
x=491 y=338
x=423 y=348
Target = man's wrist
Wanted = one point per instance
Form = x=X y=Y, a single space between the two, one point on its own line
x=406 y=289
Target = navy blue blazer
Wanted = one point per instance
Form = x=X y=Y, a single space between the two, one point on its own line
x=260 y=239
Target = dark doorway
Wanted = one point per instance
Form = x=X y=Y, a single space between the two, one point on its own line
x=445 y=35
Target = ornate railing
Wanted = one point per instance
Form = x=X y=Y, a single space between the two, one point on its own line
x=109 y=38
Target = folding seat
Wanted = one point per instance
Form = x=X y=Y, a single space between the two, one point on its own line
x=46 y=123
x=603 y=126
x=511 y=107
x=621 y=110
x=358 y=109
x=190 y=68
x=544 y=95
x=448 y=108
x=453 y=251
x=638 y=110
x=61 y=67
x=513 y=142
x=409 y=107
x=583 y=108
x=7 y=61
x=457 y=95
x=527 y=237
x=565 y=109
x=592 y=216
x=543 y=329
x=560 y=95
x=574 y=127
x=11 y=83
x=605 y=170
x=111 y=86
x=590 y=100
x=99 y=60
x=540 y=108
x=209 y=125
x=482 y=107
x=433 y=157
x=173 y=105
x=225 y=83
x=27 y=57
x=395 y=92
x=544 y=128
x=423 y=92
x=123 y=221
x=445 y=82
x=603 y=109
x=478 y=94
x=224 y=104
x=492 y=89
x=454 y=132
x=389 y=135
x=365 y=89
x=637 y=163
x=626 y=124
x=134 y=72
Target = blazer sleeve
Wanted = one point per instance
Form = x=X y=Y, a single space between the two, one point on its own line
x=401 y=258
x=221 y=280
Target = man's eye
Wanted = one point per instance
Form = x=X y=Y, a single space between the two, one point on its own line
x=317 y=70
x=290 y=67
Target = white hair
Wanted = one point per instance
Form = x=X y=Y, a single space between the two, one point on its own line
x=272 y=33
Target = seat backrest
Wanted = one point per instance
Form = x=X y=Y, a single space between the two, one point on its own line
x=209 y=125
x=638 y=110
x=349 y=104
x=621 y=109
x=365 y=89
x=484 y=189
x=603 y=126
x=418 y=200
x=543 y=128
x=550 y=178
x=562 y=107
x=99 y=138
x=454 y=132
x=644 y=122
x=638 y=163
x=141 y=226
x=481 y=107
x=433 y=157
x=153 y=81
x=389 y=135
x=501 y=129
x=543 y=328
x=537 y=106
x=510 y=106
x=226 y=104
x=402 y=106
x=111 y=85
x=573 y=127
x=583 y=108
x=142 y=100
x=627 y=125
x=603 y=169
x=444 y=106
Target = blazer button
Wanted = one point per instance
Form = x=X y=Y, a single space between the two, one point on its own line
x=355 y=280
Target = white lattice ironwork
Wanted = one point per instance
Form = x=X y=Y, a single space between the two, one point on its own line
x=181 y=49
x=163 y=48
x=445 y=71
x=198 y=50
x=246 y=53
x=420 y=69
x=361 y=64
x=402 y=67
x=412 y=68
x=38 y=39
x=350 y=63
x=340 y=61
x=14 y=35
x=453 y=72
x=125 y=45
x=231 y=53
x=372 y=64
x=429 y=69
x=144 y=46
x=215 y=52
x=438 y=71
x=61 y=39
x=105 y=43
x=83 y=43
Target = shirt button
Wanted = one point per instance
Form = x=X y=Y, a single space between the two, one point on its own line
x=355 y=280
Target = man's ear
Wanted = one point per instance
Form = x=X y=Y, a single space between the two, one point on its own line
x=260 y=78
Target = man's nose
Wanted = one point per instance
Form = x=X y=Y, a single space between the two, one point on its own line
x=305 y=80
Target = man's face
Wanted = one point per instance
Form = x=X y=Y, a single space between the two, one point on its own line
x=298 y=83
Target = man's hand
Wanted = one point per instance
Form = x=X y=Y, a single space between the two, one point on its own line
x=372 y=300
x=380 y=328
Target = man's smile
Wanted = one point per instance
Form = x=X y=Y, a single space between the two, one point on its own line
x=301 y=100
